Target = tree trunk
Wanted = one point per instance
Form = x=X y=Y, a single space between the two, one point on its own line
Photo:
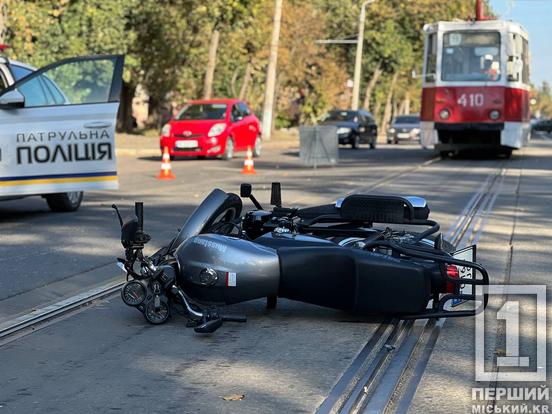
x=211 y=63
x=233 y=81
x=370 y=87
x=125 y=120
x=389 y=104
x=407 y=103
x=268 y=106
x=246 y=81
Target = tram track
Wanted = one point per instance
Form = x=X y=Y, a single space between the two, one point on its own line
x=384 y=376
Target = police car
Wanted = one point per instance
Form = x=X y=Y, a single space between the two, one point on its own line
x=57 y=127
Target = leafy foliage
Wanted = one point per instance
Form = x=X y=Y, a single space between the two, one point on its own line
x=166 y=45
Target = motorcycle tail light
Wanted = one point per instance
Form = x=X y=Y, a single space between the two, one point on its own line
x=452 y=272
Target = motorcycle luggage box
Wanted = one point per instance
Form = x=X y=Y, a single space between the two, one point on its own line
x=353 y=280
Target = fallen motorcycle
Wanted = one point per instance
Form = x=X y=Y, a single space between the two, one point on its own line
x=365 y=254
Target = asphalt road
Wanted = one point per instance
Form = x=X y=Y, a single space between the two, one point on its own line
x=107 y=358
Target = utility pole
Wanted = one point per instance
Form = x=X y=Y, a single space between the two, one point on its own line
x=271 y=73
x=358 y=58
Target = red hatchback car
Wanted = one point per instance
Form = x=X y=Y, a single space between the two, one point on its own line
x=211 y=128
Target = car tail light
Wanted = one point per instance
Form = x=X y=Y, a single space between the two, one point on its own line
x=452 y=272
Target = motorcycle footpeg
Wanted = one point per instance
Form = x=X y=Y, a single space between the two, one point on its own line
x=209 y=326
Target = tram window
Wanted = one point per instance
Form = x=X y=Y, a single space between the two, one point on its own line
x=431 y=58
x=471 y=56
x=525 y=59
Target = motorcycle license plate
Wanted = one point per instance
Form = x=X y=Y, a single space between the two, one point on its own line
x=467 y=254
x=403 y=135
x=191 y=143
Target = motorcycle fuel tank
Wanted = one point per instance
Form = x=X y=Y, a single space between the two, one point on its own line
x=223 y=269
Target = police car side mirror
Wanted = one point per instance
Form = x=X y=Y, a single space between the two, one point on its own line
x=12 y=99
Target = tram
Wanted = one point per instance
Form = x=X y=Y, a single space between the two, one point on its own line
x=475 y=88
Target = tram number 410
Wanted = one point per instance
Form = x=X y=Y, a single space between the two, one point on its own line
x=471 y=99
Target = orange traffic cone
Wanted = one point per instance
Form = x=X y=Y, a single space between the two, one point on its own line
x=248 y=165
x=166 y=169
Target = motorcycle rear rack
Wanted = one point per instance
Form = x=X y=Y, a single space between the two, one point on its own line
x=438 y=310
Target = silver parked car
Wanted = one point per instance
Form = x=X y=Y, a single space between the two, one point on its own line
x=404 y=128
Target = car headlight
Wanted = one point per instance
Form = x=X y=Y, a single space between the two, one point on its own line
x=444 y=114
x=166 y=130
x=494 y=114
x=391 y=130
x=415 y=131
x=216 y=129
x=343 y=130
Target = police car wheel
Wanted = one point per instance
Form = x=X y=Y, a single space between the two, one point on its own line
x=63 y=202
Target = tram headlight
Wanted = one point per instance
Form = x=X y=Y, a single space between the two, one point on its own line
x=444 y=114
x=494 y=114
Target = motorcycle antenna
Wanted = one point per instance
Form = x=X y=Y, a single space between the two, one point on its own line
x=114 y=207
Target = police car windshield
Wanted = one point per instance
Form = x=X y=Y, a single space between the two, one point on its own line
x=19 y=72
x=471 y=56
x=195 y=112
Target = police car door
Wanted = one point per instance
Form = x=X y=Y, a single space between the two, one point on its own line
x=57 y=127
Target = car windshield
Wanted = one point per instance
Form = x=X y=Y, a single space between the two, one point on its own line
x=407 y=120
x=471 y=56
x=202 y=112
x=340 y=116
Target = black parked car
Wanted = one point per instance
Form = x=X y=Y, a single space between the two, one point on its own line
x=353 y=127
x=542 y=128
x=404 y=127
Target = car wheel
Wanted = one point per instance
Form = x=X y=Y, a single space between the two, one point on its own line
x=64 y=202
x=389 y=141
x=356 y=142
x=201 y=157
x=228 y=150
x=395 y=141
x=257 y=147
x=372 y=145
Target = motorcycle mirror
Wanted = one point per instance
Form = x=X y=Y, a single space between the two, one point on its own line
x=114 y=207
x=209 y=326
x=276 y=195
x=245 y=190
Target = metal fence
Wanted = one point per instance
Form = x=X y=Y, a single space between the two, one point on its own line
x=318 y=145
